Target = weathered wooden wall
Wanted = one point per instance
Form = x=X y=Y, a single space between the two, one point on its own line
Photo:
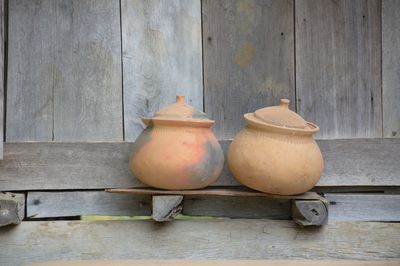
x=64 y=65
x=162 y=57
x=88 y=70
x=80 y=72
x=248 y=59
x=210 y=239
x=391 y=68
x=338 y=66
x=2 y=72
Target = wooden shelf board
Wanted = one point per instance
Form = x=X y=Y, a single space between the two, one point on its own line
x=233 y=191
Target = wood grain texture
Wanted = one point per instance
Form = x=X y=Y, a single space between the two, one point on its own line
x=2 y=68
x=343 y=206
x=12 y=208
x=89 y=203
x=162 y=57
x=42 y=166
x=207 y=239
x=218 y=263
x=237 y=207
x=65 y=75
x=248 y=59
x=31 y=70
x=338 y=66
x=166 y=208
x=39 y=166
x=391 y=68
x=363 y=207
x=213 y=191
x=309 y=212
x=81 y=203
x=88 y=77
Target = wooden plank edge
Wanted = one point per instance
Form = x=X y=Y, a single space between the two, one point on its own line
x=201 y=239
x=184 y=262
x=234 y=192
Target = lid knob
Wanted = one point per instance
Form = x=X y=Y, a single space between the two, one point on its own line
x=180 y=99
x=285 y=103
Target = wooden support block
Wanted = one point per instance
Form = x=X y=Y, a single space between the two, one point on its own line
x=165 y=208
x=309 y=212
x=12 y=208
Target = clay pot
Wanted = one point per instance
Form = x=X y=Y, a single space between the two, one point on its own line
x=276 y=152
x=177 y=150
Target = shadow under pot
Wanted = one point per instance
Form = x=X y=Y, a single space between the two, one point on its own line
x=177 y=150
x=276 y=152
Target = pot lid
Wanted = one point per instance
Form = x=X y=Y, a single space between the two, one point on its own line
x=180 y=112
x=281 y=116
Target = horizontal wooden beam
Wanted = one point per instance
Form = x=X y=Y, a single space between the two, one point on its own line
x=202 y=239
x=214 y=191
x=363 y=207
x=81 y=203
x=343 y=206
x=42 y=166
x=217 y=262
x=92 y=203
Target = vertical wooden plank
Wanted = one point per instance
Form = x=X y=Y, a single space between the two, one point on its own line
x=248 y=59
x=88 y=78
x=30 y=79
x=64 y=71
x=338 y=66
x=162 y=56
x=2 y=43
x=391 y=68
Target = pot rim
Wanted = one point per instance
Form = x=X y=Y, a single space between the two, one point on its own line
x=205 y=123
x=252 y=120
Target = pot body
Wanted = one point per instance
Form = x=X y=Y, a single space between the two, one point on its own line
x=177 y=157
x=276 y=163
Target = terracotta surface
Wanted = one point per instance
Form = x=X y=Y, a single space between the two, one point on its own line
x=177 y=150
x=276 y=152
x=218 y=263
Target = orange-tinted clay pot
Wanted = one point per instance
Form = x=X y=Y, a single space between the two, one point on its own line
x=276 y=152
x=177 y=150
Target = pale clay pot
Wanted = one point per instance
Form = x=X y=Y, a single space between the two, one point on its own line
x=276 y=152
x=177 y=150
